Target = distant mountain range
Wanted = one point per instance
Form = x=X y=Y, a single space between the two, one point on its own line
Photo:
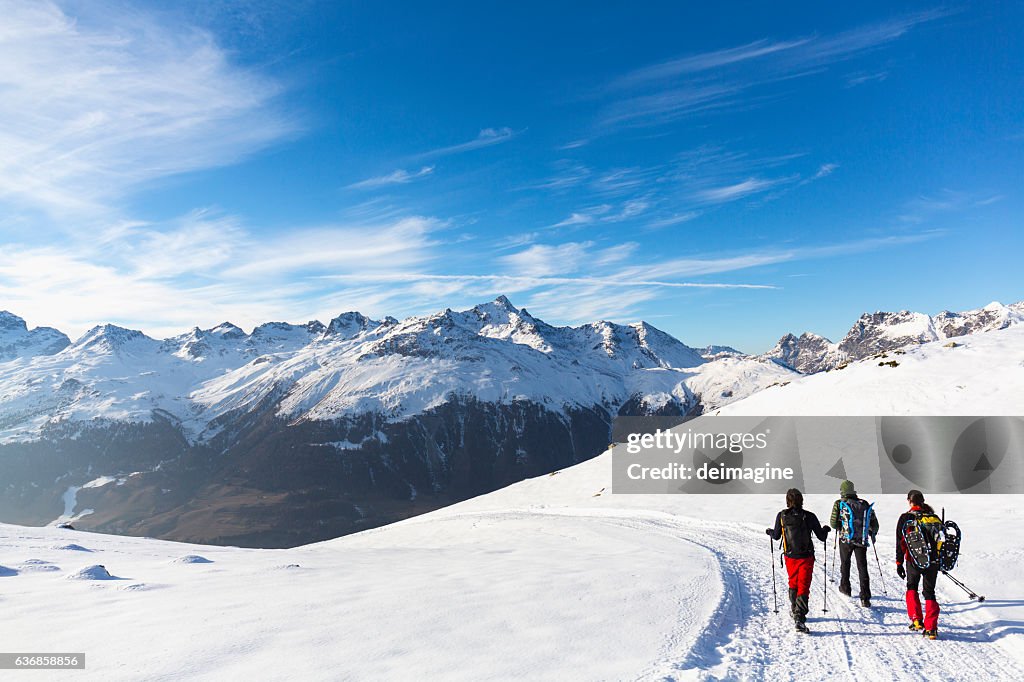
x=879 y=332
x=293 y=433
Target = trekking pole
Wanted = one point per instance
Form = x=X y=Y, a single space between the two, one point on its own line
x=835 y=546
x=824 y=585
x=775 y=594
x=969 y=591
x=881 y=576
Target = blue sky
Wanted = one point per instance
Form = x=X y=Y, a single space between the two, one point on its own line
x=727 y=171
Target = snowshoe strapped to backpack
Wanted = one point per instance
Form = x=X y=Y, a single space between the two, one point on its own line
x=925 y=536
x=855 y=519
x=949 y=550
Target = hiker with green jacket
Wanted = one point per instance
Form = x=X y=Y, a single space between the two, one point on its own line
x=856 y=525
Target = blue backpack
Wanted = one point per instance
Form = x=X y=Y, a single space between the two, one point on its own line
x=855 y=516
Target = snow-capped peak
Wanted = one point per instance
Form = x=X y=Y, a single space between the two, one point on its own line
x=350 y=324
x=11 y=322
x=226 y=330
x=17 y=341
x=110 y=337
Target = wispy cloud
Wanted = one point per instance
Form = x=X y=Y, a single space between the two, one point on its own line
x=824 y=170
x=486 y=138
x=726 y=78
x=630 y=209
x=830 y=49
x=923 y=207
x=575 y=144
x=527 y=282
x=541 y=260
x=567 y=174
x=575 y=219
x=91 y=110
x=204 y=268
x=584 y=216
x=607 y=213
x=580 y=281
x=737 y=190
x=618 y=182
x=398 y=177
x=712 y=265
x=676 y=219
x=855 y=79
x=670 y=105
x=704 y=61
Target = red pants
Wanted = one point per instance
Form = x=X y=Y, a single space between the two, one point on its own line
x=931 y=610
x=800 y=572
x=931 y=607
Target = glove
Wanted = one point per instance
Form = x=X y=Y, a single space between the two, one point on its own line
x=769 y=531
x=873 y=537
x=827 y=530
x=900 y=571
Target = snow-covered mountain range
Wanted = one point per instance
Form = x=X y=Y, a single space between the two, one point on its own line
x=880 y=331
x=297 y=432
x=493 y=353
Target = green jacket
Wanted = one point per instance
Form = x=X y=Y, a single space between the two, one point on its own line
x=835 y=523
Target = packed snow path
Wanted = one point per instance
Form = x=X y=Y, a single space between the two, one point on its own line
x=746 y=640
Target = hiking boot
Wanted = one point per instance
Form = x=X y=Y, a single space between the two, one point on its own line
x=916 y=625
x=931 y=634
x=846 y=591
x=801 y=627
x=866 y=603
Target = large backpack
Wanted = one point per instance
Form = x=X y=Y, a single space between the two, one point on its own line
x=930 y=541
x=796 y=535
x=855 y=517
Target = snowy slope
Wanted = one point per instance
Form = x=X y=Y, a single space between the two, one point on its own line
x=982 y=374
x=551 y=578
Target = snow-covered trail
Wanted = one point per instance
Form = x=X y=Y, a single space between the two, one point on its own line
x=745 y=640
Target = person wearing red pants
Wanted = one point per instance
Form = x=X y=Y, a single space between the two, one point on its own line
x=928 y=622
x=794 y=525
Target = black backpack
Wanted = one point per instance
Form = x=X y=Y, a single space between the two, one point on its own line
x=796 y=535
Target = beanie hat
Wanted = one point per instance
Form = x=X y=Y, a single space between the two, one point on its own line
x=846 y=489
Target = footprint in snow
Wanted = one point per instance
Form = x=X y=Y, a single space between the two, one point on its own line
x=73 y=547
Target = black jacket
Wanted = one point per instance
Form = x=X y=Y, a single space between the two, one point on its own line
x=801 y=545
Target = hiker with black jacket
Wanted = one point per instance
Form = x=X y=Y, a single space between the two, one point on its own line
x=794 y=525
x=919 y=511
x=856 y=525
